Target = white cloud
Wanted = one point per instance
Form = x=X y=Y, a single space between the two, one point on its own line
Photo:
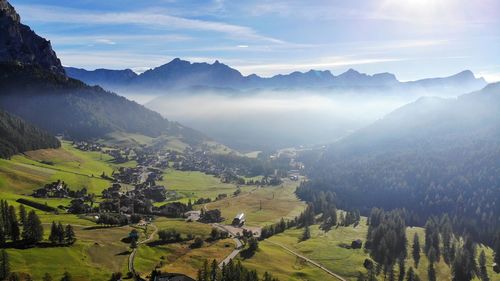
x=105 y=41
x=148 y=18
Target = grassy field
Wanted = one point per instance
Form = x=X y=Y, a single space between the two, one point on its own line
x=264 y=205
x=95 y=255
x=328 y=249
x=194 y=185
x=282 y=264
x=97 y=252
x=178 y=257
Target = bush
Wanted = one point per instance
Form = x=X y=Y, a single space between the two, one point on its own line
x=198 y=242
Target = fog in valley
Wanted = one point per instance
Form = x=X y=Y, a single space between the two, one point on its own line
x=275 y=119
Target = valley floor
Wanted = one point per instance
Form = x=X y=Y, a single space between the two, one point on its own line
x=99 y=251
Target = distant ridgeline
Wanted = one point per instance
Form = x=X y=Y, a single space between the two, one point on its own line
x=33 y=86
x=431 y=157
x=180 y=76
x=18 y=136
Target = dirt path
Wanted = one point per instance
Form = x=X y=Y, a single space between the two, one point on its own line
x=132 y=254
x=308 y=260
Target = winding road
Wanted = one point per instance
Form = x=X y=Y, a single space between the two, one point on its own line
x=237 y=249
x=308 y=260
x=132 y=254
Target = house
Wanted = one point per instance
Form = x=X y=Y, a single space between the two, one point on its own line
x=239 y=220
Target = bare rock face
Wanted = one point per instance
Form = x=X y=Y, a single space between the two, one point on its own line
x=18 y=43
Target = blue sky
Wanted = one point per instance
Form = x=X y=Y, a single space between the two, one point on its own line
x=411 y=38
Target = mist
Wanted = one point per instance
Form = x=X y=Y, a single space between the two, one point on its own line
x=275 y=119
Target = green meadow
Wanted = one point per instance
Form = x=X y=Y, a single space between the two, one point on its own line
x=263 y=205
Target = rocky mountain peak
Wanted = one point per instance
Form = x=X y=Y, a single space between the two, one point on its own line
x=20 y=44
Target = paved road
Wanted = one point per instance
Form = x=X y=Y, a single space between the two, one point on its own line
x=132 y=254
x=237 y=249
x=309 y=261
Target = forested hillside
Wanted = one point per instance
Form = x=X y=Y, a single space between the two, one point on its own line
x=431 y=157
x=64 y=105
x=18 y=136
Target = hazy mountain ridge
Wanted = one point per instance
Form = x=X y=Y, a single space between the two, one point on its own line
x=432 y=119
x=430 y=157
x=18 y=43
x=181 y=74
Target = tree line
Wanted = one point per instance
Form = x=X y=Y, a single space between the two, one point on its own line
x=230 y=272
x=24 y=228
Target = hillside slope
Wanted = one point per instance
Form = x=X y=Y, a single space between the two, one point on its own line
x=18 y=136
x=431 y=157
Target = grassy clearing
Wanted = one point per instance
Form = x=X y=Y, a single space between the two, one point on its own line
x=194 y=185
x=96 y=254
x=185 y=228
x=326 y=248
x=282 y=264
x=264 y=205
x=179 y=258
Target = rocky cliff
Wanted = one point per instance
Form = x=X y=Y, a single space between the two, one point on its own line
x=18 y=43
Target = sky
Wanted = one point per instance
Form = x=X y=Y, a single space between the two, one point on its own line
x=413 y=39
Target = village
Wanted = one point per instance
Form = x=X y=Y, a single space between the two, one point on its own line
x=134 y=194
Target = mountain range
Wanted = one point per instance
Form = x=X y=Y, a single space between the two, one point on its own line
x=180 y=74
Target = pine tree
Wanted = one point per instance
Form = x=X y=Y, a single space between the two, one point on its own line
x=306 y=234
x=213 y=271
x=69 y=234
x=416 y=249
x=431 y=272
x=14 y=225
x=22 y=214
x=60 y=233
x=53 y=237
x=401 y=262
x=4 y=265
x=483 y=272
x=205 y=275
x=333 y=216
x=2 y=236
x=33 y=230
x=411 y=275
x=392 y=276
x=496 y=248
